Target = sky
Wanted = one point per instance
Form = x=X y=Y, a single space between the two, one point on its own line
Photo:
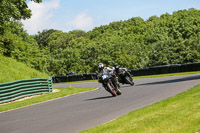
x=68 y=15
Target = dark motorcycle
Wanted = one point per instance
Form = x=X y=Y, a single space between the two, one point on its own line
x=106 y=79
x=124 y=76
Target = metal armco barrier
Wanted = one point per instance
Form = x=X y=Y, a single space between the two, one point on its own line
x=174 y=68
x=75 y=77
x=26 y=87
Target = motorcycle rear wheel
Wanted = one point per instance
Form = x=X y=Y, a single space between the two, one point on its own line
x=119 y=92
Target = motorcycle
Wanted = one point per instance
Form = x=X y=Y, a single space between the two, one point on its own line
x=106 y=79
x=124 y=76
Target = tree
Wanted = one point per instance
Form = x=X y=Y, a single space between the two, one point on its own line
x=13 y=10
x=14 y=41
x=43 y=37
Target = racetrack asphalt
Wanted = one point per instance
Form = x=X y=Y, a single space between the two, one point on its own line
x=78 y=112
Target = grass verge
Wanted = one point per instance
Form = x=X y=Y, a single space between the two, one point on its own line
x=83 y=81
x=11 y=70
x=178 y=114
x=167 y=75
x=63 y=91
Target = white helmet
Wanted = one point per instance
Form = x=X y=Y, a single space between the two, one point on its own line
x=101 y=66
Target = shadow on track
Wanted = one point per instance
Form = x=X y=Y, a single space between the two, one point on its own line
x=124 y=86
x=173 y=80
x=97 y=98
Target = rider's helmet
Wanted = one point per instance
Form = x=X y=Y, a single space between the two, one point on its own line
x=101 y=66
x=116 y=68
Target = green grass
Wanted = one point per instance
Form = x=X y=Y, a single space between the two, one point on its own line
x=167 y=75
x=83 y=81
x=11 y=70
x=64 y=91
x=178 y=114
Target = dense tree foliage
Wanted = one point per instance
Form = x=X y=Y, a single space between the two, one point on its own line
x=14 y=41
x=134 y=43
x=13 y=10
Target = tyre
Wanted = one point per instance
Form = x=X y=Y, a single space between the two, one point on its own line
x=111 y=88
x=119 y=92
x=129 y=81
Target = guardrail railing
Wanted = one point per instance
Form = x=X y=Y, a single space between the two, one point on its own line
x=173 y=68
x=26 y=87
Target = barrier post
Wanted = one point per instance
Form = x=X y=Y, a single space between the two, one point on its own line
x=50 y=84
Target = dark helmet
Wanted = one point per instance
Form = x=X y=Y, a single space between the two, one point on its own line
x=116 y=68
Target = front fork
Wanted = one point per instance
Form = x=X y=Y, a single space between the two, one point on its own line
x=105 y=86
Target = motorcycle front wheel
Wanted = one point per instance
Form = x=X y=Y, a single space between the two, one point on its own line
x=111 y=88
x=129 y=81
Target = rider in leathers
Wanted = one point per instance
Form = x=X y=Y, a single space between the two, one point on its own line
x=118 y=70
x=114 y=77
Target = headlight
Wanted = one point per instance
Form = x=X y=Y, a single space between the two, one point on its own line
x=104 y=77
